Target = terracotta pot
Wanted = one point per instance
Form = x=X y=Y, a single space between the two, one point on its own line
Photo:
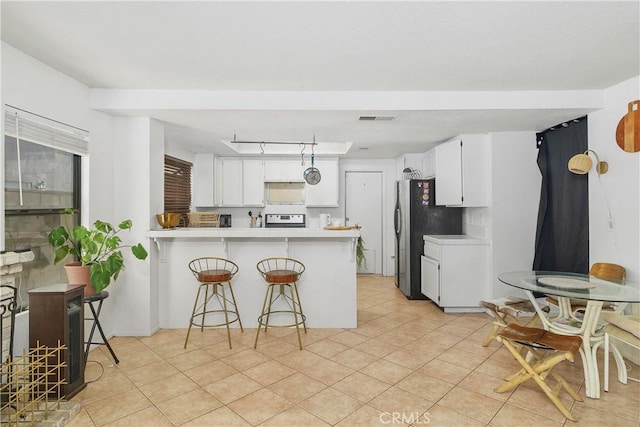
x=79 y=274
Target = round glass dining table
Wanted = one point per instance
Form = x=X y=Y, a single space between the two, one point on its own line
x=567 y=286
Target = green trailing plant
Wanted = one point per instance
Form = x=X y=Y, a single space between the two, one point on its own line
x=99 y=247
x=360 y=259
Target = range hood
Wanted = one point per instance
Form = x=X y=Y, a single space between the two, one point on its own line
x=290 y=179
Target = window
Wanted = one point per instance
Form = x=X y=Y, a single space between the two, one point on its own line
x=38 y=177
x=177 y=186
x=42 y=165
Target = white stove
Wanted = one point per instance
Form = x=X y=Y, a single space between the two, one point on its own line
x=284 y=220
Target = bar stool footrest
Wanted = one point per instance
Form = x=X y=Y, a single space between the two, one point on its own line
x=214 y=325
x=261 y=322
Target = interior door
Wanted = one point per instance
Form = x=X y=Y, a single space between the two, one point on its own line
x=364 y=207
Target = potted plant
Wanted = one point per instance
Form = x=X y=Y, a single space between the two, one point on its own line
x=98 y=249
x=360 y=257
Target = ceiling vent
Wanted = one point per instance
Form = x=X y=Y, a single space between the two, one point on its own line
x=376 y=118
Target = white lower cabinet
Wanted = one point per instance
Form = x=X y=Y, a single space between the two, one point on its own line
x=454 y=272
x=430 y=272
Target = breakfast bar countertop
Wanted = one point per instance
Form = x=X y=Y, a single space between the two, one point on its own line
x=241 y=233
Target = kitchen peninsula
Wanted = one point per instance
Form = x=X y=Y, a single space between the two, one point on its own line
x=327 y=287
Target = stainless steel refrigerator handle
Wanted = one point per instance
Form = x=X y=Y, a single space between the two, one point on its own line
x=397 y=221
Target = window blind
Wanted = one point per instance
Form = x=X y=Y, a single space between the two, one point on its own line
x=23 y=125
x=177 y=186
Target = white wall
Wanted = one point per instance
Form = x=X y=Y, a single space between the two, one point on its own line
x=138 y=183
x=414 y=161
x=513 y=214
x=33 y=86
x=174 y=150
x=620 y=186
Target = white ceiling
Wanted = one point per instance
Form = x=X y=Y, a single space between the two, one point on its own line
x=286 y=71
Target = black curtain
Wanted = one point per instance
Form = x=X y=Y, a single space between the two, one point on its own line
x=562 y=235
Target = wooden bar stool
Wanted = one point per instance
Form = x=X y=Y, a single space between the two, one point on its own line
x=548 y=349
x=213 y=274
x=281 y=274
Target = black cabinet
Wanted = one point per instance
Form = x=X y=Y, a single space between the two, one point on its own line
x=56 y=317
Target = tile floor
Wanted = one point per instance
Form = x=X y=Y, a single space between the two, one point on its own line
x=406 y=358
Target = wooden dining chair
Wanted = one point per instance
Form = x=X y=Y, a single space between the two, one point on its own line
x=603 y=270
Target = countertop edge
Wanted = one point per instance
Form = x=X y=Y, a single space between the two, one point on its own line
x=455 y=239
x=252 y=233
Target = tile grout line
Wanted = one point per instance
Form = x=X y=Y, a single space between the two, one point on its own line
x=400 y=318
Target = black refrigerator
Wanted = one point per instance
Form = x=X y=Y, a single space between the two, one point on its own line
x=416 y=214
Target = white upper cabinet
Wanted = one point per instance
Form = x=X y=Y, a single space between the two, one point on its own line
x=253 y=183
x=429 y=164
x=283 y=171
x=462 y=171
x=229 y=182
x=325 y=193
x=203 y=180
x=232 y=182
x=239 y=182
